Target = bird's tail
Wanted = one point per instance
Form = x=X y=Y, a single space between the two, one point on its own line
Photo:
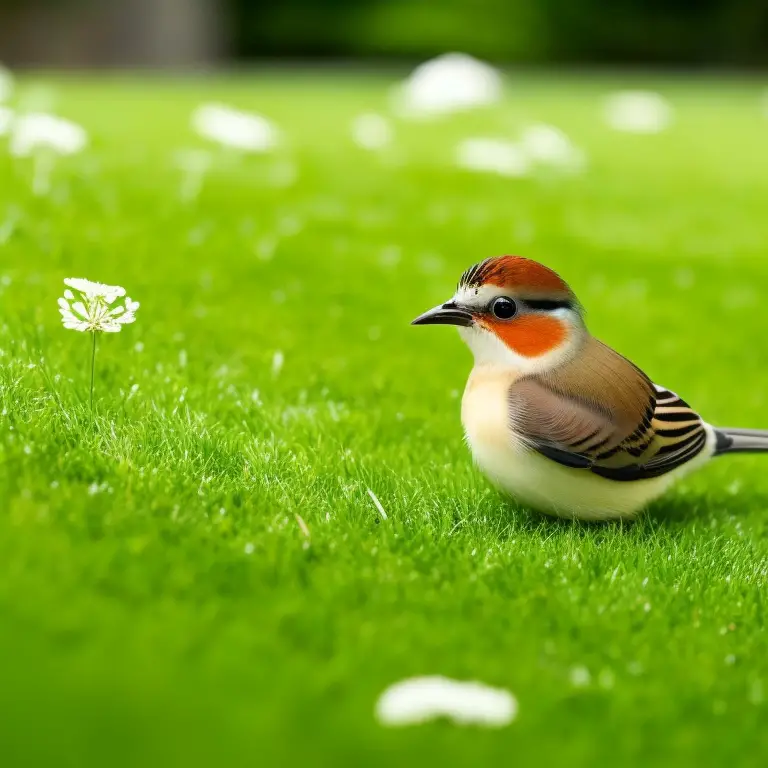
x=740 y=440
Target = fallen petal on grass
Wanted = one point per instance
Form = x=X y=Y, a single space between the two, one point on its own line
x=303 y=527
x=377 y=504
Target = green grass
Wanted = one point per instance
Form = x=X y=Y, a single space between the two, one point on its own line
x=135 y=628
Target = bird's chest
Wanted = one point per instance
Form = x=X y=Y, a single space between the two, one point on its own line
x=485 y=414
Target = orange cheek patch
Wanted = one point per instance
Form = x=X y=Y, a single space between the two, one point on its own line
x=531 y=336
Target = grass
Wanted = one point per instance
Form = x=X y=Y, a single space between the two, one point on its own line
x=159 y=602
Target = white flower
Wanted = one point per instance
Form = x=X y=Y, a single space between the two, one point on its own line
x=548 y=145
x=89 y=306
x=492 y=156
x=580 y=677
x=194 y=164
x=638 y=112
x=371 y=131
x=38 y=131
x=449 y=83
x=420 y=699
x=232 y=128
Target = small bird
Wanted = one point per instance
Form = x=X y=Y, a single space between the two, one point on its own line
x=556 y=418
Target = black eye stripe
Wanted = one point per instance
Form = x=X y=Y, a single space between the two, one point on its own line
x=547 y=305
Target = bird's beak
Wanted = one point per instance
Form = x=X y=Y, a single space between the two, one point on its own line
x=445 y=314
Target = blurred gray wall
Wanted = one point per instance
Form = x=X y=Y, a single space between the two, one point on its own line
x=175 y=34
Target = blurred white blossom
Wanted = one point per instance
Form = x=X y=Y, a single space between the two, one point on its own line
x=44 y=137
x=638 y=112
x=371 y=131
x=235 y=129
x=420 y=699
x=449 y=83
x=194 y=165
x=40 y=131
x=89 y=306
x=548 y=145
x=487 y=155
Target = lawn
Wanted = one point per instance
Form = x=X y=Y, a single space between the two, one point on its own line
x=160 y=602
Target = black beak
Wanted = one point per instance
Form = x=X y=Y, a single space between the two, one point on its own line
x=446 y=314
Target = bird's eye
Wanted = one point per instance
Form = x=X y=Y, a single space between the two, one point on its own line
x=503 y=308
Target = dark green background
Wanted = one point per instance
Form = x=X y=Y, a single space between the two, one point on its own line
x=659 y=32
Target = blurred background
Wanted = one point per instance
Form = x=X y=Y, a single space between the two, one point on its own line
x=203 y=33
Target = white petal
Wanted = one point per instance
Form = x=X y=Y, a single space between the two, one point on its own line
x=80 y=284
x=117 y=311
x=76 y=325
x=68 y=294
x=91 y=290
x=128 y=317
x=63 y=304
x=80 y=308
x=131 y=306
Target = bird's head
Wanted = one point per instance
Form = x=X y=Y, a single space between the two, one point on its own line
x=513 y=311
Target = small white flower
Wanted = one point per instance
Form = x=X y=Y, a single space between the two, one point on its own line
x=548 y=145
x=638 y=112
x=371 y=131
x=89 y=306
x=580 y=677
x=39 y=131
x=233 y=128
x=420 y=699
x=453 y=82
x=278 y=360
x=486 y=155
x=194 y=164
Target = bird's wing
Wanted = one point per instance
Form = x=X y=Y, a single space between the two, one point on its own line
x=602 y=414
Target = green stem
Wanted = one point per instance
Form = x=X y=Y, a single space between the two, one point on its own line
x=93 y=367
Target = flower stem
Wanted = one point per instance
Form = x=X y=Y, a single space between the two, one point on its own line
x=93 y=367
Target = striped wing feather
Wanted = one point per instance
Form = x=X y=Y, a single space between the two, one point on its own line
x=602 y=414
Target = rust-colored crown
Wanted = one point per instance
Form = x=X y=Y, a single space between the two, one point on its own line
x=514 y=272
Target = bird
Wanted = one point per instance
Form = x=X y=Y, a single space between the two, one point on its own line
x=559 y=420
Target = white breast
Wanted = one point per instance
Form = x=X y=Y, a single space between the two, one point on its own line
x=540 y=482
